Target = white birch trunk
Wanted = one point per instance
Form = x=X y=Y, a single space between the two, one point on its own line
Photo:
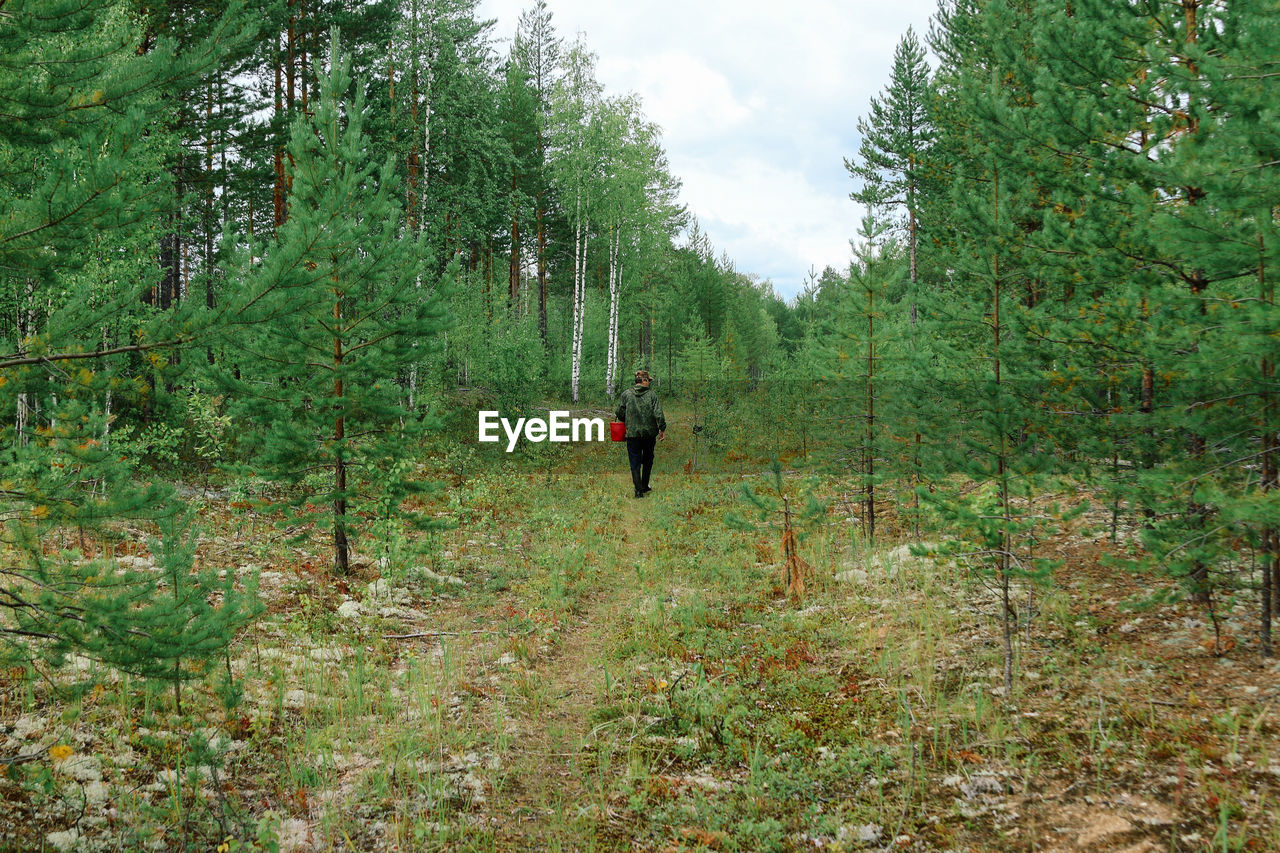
x=611 y=376
x=427 y=80
x=21 y=419
x=579 y=301
x=26 y=327
x=577 y=250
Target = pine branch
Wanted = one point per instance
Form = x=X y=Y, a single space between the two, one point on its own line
x=13 y=361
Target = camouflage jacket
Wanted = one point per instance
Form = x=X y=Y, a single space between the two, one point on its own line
x=640 y=409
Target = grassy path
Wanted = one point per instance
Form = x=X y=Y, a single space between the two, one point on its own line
x=549 y=772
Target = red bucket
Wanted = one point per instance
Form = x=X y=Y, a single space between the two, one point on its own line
x=618 y=431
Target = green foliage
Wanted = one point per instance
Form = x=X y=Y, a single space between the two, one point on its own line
x=159 y=621
x=339 y=308
x=80 y=149
x=896 y=134
x=765 y=506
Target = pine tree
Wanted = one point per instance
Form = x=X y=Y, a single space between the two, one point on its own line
x=857 y=364
x=1153 y=244
x=982 y=324
x=537 y=51
x=338 y=310
x=896 y=136
x=519 y=121
x=81 y=183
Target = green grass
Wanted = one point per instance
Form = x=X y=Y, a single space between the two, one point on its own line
x=615 y=673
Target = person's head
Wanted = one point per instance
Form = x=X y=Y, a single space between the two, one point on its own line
x=643 y=378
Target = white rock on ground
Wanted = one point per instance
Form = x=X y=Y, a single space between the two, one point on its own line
x=439 y=578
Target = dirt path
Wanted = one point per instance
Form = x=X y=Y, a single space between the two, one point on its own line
x=553 y=795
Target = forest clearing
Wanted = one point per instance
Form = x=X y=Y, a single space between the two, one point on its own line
x=967 y=541
x=572 y=669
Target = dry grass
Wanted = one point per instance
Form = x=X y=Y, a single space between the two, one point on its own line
x=589 y=671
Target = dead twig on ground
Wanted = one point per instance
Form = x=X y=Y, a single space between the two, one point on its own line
x=417 y=634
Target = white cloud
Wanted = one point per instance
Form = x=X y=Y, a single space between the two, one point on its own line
x=770 y=220
x=759 y=102
x=691 y=101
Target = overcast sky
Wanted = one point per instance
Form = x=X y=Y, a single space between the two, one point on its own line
x=758 y=101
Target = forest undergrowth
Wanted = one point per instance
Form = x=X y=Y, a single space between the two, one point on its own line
x=564 y=667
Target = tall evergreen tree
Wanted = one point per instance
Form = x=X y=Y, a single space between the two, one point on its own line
x=519 y=123
x=81 y=183
x=896 y=135
x=338 y=309
x=537 y=50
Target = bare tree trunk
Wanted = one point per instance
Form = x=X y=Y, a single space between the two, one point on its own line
x=611 y=371
x=277 y=188
x=426 y=126
x=911 y=230
x=26 y=327
x=1006 y=521
x=513 y=293
x=870 y=456
x=341 y=562
x=1270 y=476
x=579 y=300
x=290 y=42
x=542 y=275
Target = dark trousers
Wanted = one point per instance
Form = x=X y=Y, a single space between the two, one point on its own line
x=640 y=455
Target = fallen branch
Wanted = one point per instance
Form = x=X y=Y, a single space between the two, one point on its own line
x=416 y=634
x=23 y=759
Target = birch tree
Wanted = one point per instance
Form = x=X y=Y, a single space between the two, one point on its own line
x=577 y=131
x=637 y=204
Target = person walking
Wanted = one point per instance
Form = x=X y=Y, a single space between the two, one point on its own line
x=640 y=410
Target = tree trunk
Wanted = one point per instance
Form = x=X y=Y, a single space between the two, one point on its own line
x=513 y=294
x=579 y=300
x=911 y=230
x=611 y=371
x=290 y=48
x=1270 y=475
x=542 y=275
x=341 y=562
x=869 y=453
x=1006 y=521
x=277 y=189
